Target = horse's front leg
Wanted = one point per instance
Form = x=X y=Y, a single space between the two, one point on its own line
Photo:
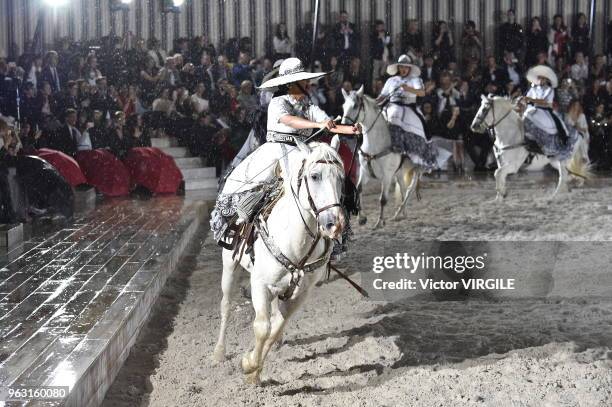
x=361 y=183
x=227 y=287
x=252 y=362
x=500 y=182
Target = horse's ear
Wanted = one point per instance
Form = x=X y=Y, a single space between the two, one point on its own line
x=360 y=91
x=305 y=148
x=484 y=98
x=490 y=96
x=345 y=93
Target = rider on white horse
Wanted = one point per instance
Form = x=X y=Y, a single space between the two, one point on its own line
x=541 y=123
x=291 y=116
x=406 y=123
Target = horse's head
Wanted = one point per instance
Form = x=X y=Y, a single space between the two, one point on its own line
x=353 y=108
x=316 y=181
x=481 y=120
x=492 y=110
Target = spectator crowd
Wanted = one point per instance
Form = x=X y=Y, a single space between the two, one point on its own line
x=118 y=93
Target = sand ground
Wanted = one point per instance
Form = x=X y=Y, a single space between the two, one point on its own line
x=544 y=350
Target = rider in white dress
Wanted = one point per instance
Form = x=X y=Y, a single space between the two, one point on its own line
x=290 y=116
x=541 y=122
x=406 y=122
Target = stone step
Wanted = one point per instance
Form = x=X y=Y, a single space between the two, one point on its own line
x=176 y=152
x=198 y=173
x=188 y=162
x=11 y=235
x=201 y=184
x=164 y=142
x=84 y=200
x=206 y=194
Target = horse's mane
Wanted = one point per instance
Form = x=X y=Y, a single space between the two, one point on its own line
x=323 y=152
x=507 y=102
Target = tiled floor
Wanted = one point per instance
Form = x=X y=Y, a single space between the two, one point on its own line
x=73 y=302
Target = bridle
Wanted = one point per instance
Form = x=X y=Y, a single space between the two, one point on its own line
x=303 y=178
x=482 y=116
x=361 y=109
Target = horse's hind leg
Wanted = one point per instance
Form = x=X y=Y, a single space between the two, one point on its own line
x=252 y=362
x=384 y=194
x=227 y=287
x=416 y=174
x=562 y=185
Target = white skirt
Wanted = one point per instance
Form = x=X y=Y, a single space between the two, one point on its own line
x=541 y=118
x=404 y=117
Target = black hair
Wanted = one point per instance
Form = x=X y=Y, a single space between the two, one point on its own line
x=282 y=90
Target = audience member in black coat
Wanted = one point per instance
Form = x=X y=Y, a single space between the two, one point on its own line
x=412 y=39
x=119 y=142
x=494 y=74
x=536 y=42
x=510 y=37
x=69 y=99
x=65 y=138
x=138 y=137
x=346 y=39
x=50 y=72
x=29 y=105
x=98 y=134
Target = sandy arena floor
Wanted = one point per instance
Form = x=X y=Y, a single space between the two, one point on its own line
x=343 y=350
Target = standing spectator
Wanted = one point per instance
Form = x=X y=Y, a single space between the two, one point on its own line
x=443 y=44
x=576 y=119
x=510 y=37
x=118 y=139
x=91 y=72
x=429 y=72
x=149 y=78
x=69 y=98
x=29 y=106
x=34 y=73
x=412 y=41
x=581 y=41
x=203 y=75
x=380 y=50
x=281 y=43
x=157 y=54
x=600 y=148
x=448 y=112
x=50 y=73
x=347 y=41
x=537 y=42
x=580 y=70
x=471 y=43
x=559 y=39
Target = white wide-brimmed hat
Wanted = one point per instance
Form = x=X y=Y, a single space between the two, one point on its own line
x=404 y=60
x=290 y=70
x=545 y=71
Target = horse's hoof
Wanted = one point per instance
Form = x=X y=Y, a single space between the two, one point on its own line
x=253 y=378
x=247 y=367
x=218 y=355
x=379 y=224
x=363 y=221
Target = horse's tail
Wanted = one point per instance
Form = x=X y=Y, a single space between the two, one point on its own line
x=579 y=165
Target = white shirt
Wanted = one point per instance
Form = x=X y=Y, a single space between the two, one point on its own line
x=199 y=104
x=542 y=92
x=579 y=72
x=287 y=105
x=281 y=46
x=392 y=86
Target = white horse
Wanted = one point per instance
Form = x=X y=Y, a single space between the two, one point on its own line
x=498 y=114
x=376 y=159
x=291 y=252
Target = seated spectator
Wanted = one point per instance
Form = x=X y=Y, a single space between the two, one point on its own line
x=201 y=138
x=355 y=74
x=246 y=98
x=429 y=72
x=136 y=133
x=169 y=75
x=199 y=102
x=66 y=138
x=242 y=70
x=565 y=94
x=494 y=74
x=598 y=70
x=202 y=73
x=220 y=70
x=119 y=142
x=98 y=133
x=580 y=70
x=471 y=43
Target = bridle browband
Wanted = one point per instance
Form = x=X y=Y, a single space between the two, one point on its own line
x=483 y=116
